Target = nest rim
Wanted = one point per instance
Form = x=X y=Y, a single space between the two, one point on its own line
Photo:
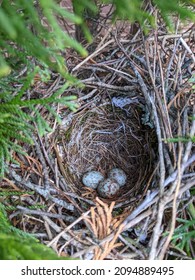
x=95 y=122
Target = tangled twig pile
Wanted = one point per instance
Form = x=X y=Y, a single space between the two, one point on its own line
x=151 y=139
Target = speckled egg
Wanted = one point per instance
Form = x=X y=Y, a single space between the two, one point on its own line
x=118 y=175
x=92 y=179
x=108 y=188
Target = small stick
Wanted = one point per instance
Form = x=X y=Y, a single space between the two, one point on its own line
x=92 y=55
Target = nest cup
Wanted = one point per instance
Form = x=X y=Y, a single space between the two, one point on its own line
x=104 y=137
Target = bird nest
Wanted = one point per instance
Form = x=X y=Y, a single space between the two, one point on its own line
x=151 y=138
x=106 y=136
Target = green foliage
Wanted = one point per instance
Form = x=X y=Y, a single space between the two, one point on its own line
x=168 y=8
x=184 y=235
x=7 y=229
x=14 y=248
x=20 y=22
x=85 y=9
x=23 y=38
x=22 y=29
x=23 y=35
x=183 y=239
x=16 y=120
x=191 y=210
x=12 y=121
x=11 y=205
x=134 y=10
x=181 y=139
x=18 y=245
x=130 y=10
x=192 y=80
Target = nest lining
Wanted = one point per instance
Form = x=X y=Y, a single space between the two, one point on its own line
x=104 y=137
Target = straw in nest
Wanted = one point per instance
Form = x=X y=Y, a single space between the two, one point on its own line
x=105 y=137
